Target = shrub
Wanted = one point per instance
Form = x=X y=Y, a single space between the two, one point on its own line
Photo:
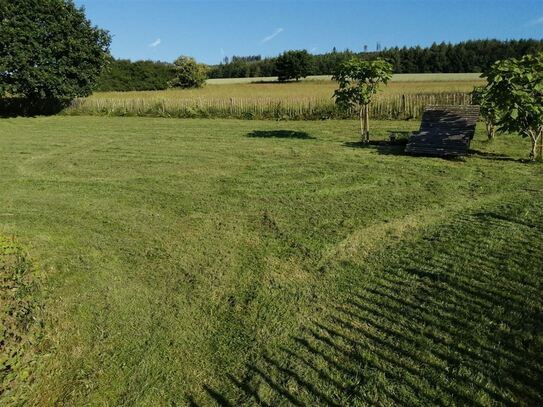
x=188 y=73
x=489 y=110
x=125 y=75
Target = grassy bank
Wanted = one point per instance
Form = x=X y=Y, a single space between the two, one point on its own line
x=245 y=262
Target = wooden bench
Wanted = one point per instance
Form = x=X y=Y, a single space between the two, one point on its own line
x=444 y=131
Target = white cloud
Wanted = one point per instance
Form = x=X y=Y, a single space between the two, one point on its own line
x=537 y=21
x=155 y=44
x=272 y=36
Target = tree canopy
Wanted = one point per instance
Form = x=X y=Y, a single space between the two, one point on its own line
x=293 y=65
x=49 y=50
x=188 y=73
x=358 y=82
x=467 y=56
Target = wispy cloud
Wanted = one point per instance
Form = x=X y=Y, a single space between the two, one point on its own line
x=272 y=36
x=537 y=21
x=155 y=43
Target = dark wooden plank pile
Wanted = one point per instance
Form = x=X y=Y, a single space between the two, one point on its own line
x=444 y=131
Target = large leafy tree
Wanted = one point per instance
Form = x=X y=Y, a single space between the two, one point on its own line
x=515 y=87
x=49 y=50
x=188 y=73
x=293 y=65
x=358 y=82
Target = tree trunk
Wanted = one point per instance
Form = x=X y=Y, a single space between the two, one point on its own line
x=539 y=154
x=536 y=138
x=533 y=152
x=367 y=123
x=490 y=131
x=361 y=115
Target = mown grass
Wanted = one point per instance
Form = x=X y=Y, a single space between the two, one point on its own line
x=249 y=262
x=19 y=320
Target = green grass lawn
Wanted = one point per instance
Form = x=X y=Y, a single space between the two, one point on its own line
x=202 y=262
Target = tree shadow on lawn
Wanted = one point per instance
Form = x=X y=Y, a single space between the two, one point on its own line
x=291 y=134
x=381 y=146
x=24 y=107
x=486 y=155
x=398 y=148
x=427 y=329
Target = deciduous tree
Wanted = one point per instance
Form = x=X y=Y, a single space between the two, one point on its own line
x=49 y=50
x=188 y=73
x=358 y=82
x=293 y=65
x=515 y=87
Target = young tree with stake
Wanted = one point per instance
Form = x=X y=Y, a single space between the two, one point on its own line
x=358 y=81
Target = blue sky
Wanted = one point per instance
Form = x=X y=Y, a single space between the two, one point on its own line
x=211 y=29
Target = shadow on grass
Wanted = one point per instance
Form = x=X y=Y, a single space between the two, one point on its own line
x=486 y=155
x=25 y=107
x=381 y=146
x=455 y=317
x=302 y=135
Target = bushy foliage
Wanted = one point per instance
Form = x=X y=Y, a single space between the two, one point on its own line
x=515 y=87
x=240 y=67
x=125 y=75
x=293 y=65
x=49 y=50
x=358 y=82
x=188 y=73
x=489 y=110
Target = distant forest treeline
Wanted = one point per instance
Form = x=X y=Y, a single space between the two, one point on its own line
x=468 y=56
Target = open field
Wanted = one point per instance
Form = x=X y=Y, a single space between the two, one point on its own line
x=193 y=262
x=400 y=99
x=231 y=88
x=402 y=77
